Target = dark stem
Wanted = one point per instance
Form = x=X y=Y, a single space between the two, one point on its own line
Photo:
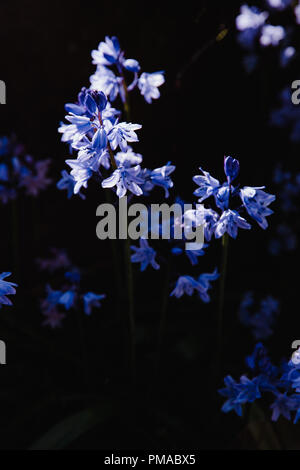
x=219 y=339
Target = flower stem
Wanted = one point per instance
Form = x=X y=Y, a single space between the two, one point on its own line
x=163 y=319
x=225 y=241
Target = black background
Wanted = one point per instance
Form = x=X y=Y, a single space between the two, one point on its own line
x=209 y=107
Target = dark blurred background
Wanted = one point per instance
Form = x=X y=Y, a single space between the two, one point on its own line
x=209 y=107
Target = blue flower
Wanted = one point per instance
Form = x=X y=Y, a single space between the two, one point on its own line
x=148 y=84
x=231 y=392
x=279 y=4
x=204 y=280
x=131 y=65
x=271 y=35
x=261 y=321
x=108 y=52
x=161 y=177
x=231 y=168
x=283 y=405
x=207 y=185
x=250 y=17
x=67 y=182
x=105 y=80
x=6 y=288
x=229 y=222
x=125 y=179
x=188 y=285
x=145 y=255
x=81 y=172
x=129 y=158
x=121 y=133
x=67 y=299
x=92 y=300
x=73 y=276
x=249 y=389
x=256 y=203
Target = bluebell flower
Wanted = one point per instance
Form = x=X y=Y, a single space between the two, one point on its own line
x=260 y=362
x=131 y=65
x=185 y=285
x=205 y=280
x=250 y=17
x=207 y=185
x=145 y=255
x=68 y=182
x=37 y=180
x=125 y=179
x=121 y=133
x=161 y=177
x=231 y=168
x=229 y=222
x=67 y=299
x=231 y=391
x=108 y=52
x=105 y=80
x=261 y=322
x=279 y=4
x=256 y=203
x=249 y=390
x=286 y=55
x=91 y=300
x=6 y=288
x=148 y=84
x=210 y=220
x=81 y=172
x=271 y=35
x=74 y=275
x=129 y=158
x=222 y=196
x=283 y=405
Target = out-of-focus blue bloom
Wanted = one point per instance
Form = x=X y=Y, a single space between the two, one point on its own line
x=67 y=182
x=73 y=276
x=37 y=180
x=6 y=288
x=285 y=241
x=250 y=17
x=58 y=260
x=283 y=405
x=279 y=4
x=286 y=55
x=231 y=391
x=287 y=115
x=148 y=84
x=131 y=65
x=144 y=254
x=297 y=13
x=53 y=318
x=125 y=179
x=271 y=35
x=129 y=158
x=229 y=222
x=188 y=285
x=231 y=168
x=256 y=203
x=67 y=299
x=249 y=389
x=91 y=300
x=261 y=321
x=260 y=363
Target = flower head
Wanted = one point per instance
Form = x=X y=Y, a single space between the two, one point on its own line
x=145 y=255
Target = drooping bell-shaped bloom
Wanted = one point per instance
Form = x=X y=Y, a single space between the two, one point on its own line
x=256 y=203
x=229 y=222
x=6 y=288
x=144 y=254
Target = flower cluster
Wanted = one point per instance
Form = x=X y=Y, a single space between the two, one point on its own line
x=254 y=30
x=188 y=285
x=69 y=295
x=102 y=140
x=19 y=170
x=254 y=200
x=262 y=320
x=280 y=382
x=111 y=69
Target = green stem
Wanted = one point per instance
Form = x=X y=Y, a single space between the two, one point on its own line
x=163 y=318
x=225 y=240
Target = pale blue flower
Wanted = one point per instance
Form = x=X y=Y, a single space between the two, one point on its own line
x=256 y=203
x=271 y=35
x=250 y=18
x=108 y=52
x=125 y=179
x=148 y=84
x=121 y=133
x=229 y=222
x=105 y=80
x=161 y=177
x=207 y=185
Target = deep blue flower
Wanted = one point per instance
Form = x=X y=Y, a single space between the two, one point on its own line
x=231 y=168
x=67 y=299
x=91 y=300
x=161 y=177
x=6 y=288
x=283 y=405
x=231 y=391
x=144 y=254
